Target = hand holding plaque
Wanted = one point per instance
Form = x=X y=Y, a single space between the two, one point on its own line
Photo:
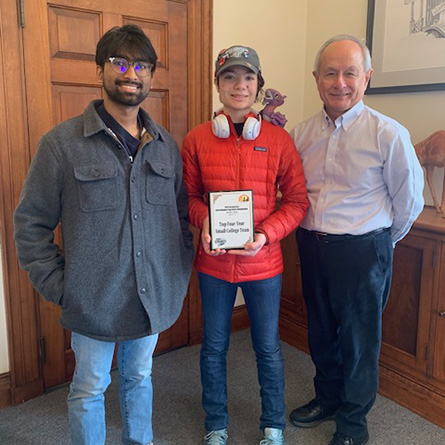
x=231 y=219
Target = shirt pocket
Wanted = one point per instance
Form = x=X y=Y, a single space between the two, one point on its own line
x=97 y=186
x=160 y=184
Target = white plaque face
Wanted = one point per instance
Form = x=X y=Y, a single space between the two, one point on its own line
x=231 y=219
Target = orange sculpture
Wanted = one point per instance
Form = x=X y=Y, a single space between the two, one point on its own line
x=431 y=154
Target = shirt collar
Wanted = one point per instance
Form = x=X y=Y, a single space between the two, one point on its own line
x=94 y=124
x=346 y=120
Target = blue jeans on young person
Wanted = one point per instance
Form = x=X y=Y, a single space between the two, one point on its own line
x=92 y=377
x=262 y=299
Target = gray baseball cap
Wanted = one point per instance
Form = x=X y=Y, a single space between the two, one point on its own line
x=237 y=55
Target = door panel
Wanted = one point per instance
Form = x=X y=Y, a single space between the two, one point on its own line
x=439 y=320
x=73 y=34
x=292 y=292
x=405 y=344
x=70 y=101
x=59 y=58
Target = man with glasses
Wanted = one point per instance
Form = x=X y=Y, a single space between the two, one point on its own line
x=113 y=178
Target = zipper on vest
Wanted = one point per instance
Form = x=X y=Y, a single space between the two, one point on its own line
x=238 y=160
x=237 y=186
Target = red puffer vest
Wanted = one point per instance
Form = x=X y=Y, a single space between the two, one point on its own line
x=263 y=165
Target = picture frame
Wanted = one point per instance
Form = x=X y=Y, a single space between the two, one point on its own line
x=407 y=43
x=231 y=222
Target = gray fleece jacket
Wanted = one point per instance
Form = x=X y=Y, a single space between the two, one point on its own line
x=127 y=249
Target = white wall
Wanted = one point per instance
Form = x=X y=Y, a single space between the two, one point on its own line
x=421 y=113
x=4 y=360
x=277 y=31
x=287 y=35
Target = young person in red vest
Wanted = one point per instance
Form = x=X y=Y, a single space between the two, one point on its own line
x=238 y=151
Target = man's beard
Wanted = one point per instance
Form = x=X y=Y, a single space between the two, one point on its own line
x=125 y=98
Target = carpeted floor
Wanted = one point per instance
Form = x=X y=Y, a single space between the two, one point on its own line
x=178 y=417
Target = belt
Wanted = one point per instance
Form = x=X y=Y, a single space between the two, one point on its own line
x=332 y=238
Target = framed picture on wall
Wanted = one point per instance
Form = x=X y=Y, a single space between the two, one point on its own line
x=407 y=43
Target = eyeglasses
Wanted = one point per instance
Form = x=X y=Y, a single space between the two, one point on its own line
x=121 y=65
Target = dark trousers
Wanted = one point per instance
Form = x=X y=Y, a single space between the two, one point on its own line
x=346 y=281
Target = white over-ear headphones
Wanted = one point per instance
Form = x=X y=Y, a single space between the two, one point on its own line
x=221 y=128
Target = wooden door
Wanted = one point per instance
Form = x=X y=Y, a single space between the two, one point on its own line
x=59 y=52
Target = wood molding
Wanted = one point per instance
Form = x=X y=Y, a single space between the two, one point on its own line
x=21 y=304
x=200 y=99
x=5 y=390
x=25 y=375
x=293 y=333
x=240 y=318
x=426 y=401
x=201 y=61
x=26 y=391
x=423 y=400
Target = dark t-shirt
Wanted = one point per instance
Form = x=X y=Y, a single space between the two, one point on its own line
x=128 y=141
x=239 y=128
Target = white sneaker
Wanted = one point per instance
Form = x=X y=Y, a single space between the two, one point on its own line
x=272 y=436
x=218 y=437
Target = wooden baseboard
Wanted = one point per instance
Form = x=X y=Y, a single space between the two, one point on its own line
x=293 y=333
x=422 y=399
x=240 y=318
x=5 y=390
x=26 y=392
x=425 y=400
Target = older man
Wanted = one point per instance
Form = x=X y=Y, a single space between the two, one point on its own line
x=365 y=190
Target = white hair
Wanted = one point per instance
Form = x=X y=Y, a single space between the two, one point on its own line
x=367 y=64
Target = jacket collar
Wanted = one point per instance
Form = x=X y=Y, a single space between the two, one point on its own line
x=93 y=124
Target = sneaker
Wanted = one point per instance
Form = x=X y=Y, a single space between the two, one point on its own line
x=311 y=414
x=218 y=437
x=272 y=436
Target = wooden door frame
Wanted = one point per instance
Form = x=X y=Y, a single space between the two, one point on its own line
x=24 y=380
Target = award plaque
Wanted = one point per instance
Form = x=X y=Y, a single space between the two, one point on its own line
x=231 y=219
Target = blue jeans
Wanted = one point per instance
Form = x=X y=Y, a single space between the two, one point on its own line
x=262 y=299
x=92 y=377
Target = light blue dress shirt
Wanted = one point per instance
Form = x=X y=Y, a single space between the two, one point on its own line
x=361 y=172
